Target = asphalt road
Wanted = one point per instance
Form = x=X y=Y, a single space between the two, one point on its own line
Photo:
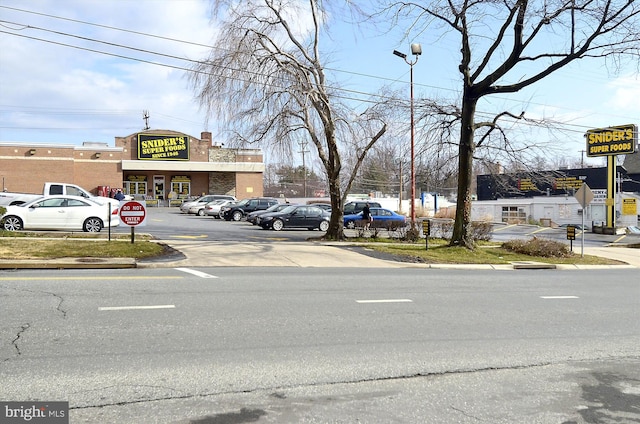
x=229 y=345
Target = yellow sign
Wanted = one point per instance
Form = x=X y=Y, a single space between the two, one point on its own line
x=163 y=147
x=526 y=184
x=564 y=183
x=620 y=140
x=629 y=207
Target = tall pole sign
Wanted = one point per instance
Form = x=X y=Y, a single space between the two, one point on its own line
x=610 y=142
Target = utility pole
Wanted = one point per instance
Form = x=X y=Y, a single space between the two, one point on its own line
x=401 y=187
x=303 y=146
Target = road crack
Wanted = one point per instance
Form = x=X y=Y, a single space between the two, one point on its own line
x=14 y=342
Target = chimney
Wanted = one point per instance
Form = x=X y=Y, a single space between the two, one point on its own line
x=205 y=135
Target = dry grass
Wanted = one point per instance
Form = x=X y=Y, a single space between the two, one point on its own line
x=30 y=248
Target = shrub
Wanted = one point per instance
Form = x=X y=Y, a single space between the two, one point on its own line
x=539 y=247
x=481 y=230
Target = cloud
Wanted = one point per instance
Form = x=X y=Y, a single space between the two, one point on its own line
x=52 y=92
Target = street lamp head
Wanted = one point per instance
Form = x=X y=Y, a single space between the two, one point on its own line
x=416 y=49
x=400 y=54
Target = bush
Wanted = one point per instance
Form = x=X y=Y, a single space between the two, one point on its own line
x=481 y=230
x=539 y=247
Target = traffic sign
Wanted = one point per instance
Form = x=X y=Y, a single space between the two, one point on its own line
x=584 y=195
x=133 y=213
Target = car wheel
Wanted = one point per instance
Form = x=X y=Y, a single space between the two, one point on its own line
x=12 y=223
x=92 y=225
x=277 y=225
x=351 y=225
x=201 y=212
x=237 y=216
x=324 y=226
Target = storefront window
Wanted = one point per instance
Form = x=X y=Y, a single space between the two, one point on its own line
x=182 y=189
x=136 y=185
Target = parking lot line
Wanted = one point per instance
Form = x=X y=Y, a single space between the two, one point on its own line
x=130 y=308
x=559 y=297
x=505 y=227
x=385 y=301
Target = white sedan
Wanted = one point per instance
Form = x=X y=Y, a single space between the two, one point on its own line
x=60 y=213
x=213 y=208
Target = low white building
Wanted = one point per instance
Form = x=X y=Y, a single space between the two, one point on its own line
x=553 y=210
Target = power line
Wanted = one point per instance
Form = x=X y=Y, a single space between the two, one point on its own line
x=186 y=69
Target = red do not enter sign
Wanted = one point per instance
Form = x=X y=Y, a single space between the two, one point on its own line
x=133 y=213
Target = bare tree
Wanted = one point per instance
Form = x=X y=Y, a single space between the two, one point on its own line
x=497 y=40
x=265 y=80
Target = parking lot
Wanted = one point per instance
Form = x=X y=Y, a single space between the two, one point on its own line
x=169 y=223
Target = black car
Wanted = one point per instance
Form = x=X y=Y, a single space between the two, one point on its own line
x=296 y=216
x=254 y=217
x=237 y=211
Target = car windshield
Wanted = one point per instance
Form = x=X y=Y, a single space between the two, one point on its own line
x=289 y=209
x=275 y=207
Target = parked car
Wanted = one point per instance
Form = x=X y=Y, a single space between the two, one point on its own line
x=237 y=211
x=60 y=213
x=297 y=216
x=357 y=206
x=254 y=217
x=632 y=229
x=577 y=226
x=186 y=207
x=324 y=206
x=213 y=208
x=378 y=215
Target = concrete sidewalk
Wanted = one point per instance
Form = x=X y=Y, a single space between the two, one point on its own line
x=194 y=253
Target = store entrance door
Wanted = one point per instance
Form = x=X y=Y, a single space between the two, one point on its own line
x=158 y=188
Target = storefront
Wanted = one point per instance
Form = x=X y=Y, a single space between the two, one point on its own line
x=162 y=167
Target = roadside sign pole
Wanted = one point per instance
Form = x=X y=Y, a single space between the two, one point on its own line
x=133 y=213
x=426 y=230
x=584 y=195
x=584 y=202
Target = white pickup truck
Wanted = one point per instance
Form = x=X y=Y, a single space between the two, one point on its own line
x=8 y=199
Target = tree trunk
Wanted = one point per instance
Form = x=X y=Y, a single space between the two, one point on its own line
x=333 y=166
x=461 y=234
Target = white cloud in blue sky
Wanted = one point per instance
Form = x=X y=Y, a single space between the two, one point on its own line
x=53 y=93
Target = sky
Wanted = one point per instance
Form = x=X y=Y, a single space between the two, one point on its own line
x=61 y=89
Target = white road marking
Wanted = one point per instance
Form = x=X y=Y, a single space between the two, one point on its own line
x=559 y=297
x=130 y=308
x=196 y=273
x=385 y=301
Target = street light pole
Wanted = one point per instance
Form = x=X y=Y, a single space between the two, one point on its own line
x=416 y=50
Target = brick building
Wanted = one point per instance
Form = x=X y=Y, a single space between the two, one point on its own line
x=156 y=165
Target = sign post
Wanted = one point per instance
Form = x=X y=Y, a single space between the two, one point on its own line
x=133 y=214
x=611 y=141
x=584 y=196
x=426 y=230
x=571 y=235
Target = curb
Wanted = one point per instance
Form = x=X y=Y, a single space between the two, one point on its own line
x=69 y=263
